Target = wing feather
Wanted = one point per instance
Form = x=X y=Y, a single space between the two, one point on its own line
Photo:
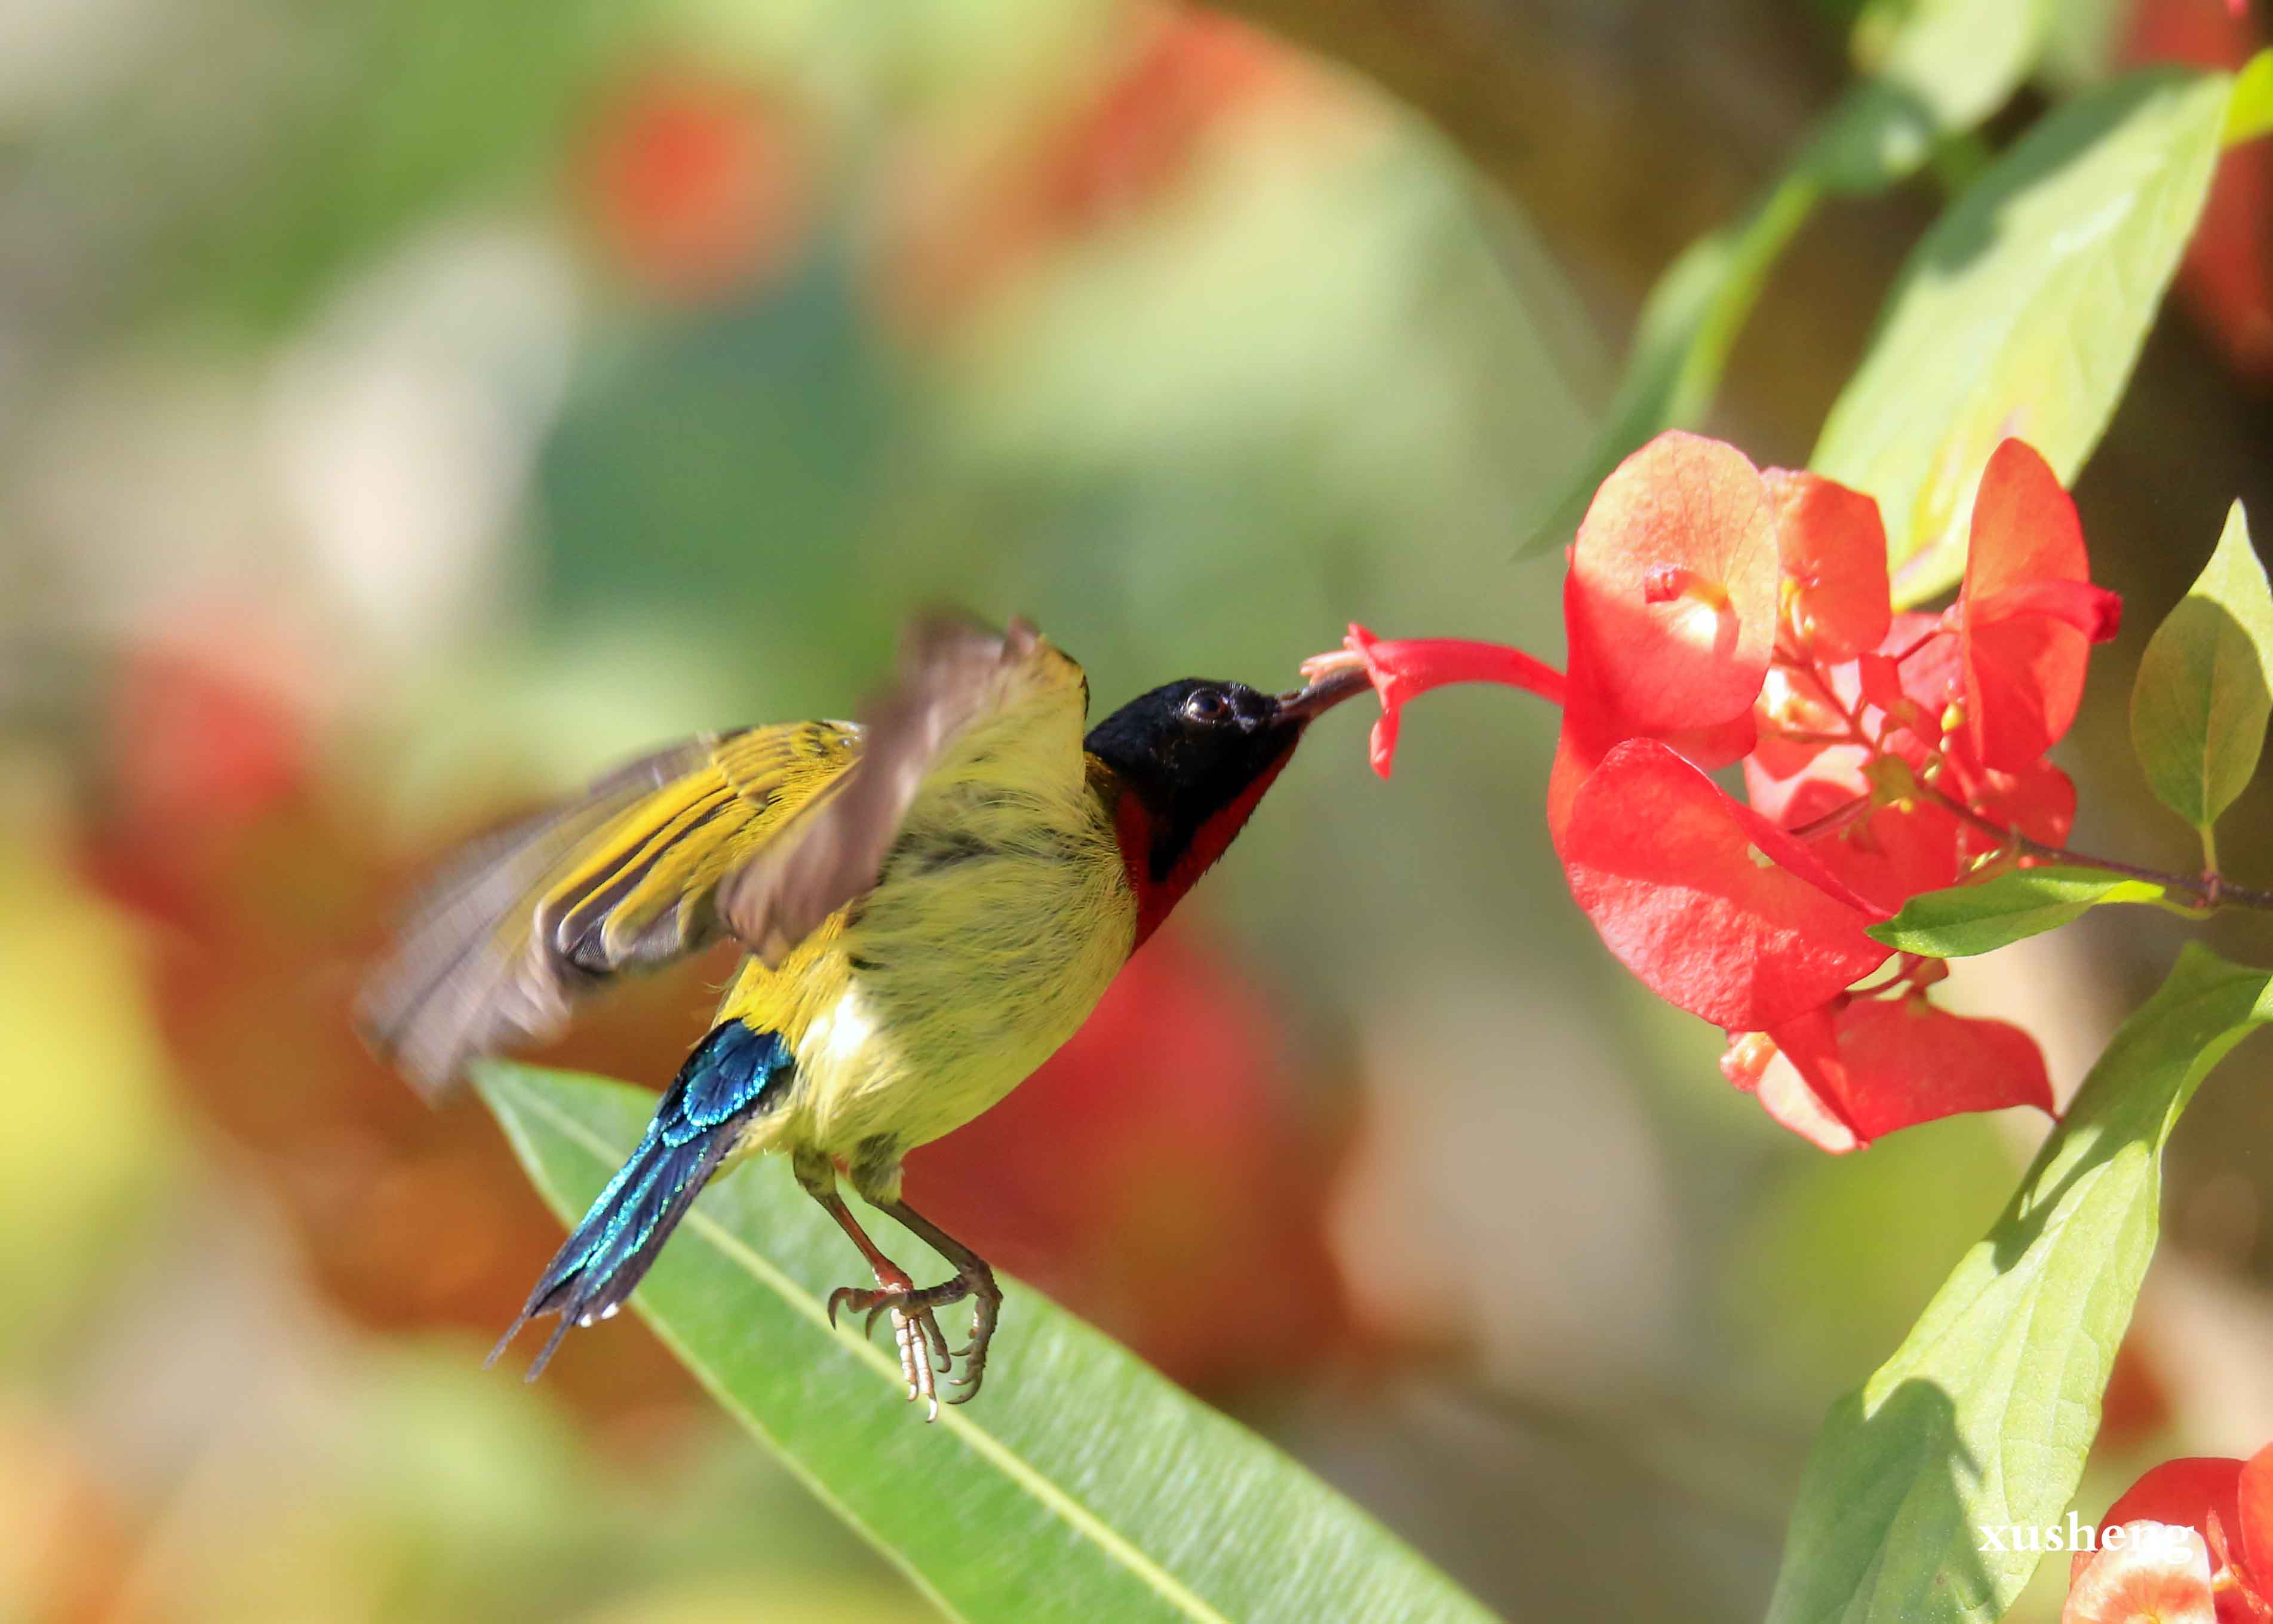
x=762 y=833
x=530 y=919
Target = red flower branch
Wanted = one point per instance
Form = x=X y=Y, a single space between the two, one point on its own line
x=1717 y=614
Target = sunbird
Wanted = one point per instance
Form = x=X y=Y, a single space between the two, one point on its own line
x=932 y=899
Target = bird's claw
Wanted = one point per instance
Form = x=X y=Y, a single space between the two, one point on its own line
x=987 y=1304
x=922 y=1347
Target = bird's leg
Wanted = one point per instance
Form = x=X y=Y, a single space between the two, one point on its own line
x=915 y=1329
x=972 y=1279
x=876 y=1176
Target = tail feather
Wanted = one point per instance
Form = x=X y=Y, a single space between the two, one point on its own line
x=733 y=1075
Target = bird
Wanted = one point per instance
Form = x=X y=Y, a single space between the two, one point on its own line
x=930 y=900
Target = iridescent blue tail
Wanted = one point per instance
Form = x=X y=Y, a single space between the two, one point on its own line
x=733 y=1075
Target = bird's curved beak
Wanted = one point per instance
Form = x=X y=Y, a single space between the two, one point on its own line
x=1326 y=689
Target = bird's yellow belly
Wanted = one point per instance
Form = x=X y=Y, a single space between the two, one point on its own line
x=983 y=948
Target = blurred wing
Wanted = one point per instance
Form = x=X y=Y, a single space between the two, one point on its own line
x=967 y=705
x=624 y=875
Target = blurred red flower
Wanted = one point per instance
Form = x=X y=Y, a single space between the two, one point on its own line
x=2227 y=275
x=1173 y=82
x=1167 y=1173
x=693 y=182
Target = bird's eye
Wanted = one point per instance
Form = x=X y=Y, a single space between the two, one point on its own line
x=1208 y=704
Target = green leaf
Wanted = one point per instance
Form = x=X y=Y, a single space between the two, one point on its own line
x=1938 y=67
x=1984 y=1414
x=1965 y=920
x=2023 y=311
x=2250 y=114
x=2205 y=685
x=1081 y=1485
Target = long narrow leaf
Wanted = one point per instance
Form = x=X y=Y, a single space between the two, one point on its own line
x=1081 y=1485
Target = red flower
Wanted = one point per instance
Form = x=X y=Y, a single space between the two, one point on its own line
x=2223 y=1511
x=1717 y=614
x=693 y=182
x=1167 y=1174
x=2028 y=614
x=1173 y=85
x=2227 y=275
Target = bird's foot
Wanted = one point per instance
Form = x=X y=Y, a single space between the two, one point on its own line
x=986 y=1306
x=925 y=1356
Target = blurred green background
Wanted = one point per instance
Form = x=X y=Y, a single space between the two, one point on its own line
x=406 y=408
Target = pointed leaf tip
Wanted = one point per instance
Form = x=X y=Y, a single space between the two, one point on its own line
x=2205 y=685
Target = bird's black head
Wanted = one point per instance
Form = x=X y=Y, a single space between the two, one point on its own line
x=1195 y=756
x=1190 y=751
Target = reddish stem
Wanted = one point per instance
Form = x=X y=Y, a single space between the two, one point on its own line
x=1838 y=818
x=2209 y=889
x=1939 y=630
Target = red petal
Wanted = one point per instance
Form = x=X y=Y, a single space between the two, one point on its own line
x=1405 y=669
x=2039 y=801
x=1791 y=783
x=1833 y=549
x=1712 y=906
x=1722 y=745
x=2024 y=673
x=1671 y=598
x=1794 y=713
x=2254 y=1512
x=1786 y=1092
x=2023 y=680
x=2092 y=610
x=1902 y=1062
x=1588 y=734
x=2024 y=526
x=2182 y=1491
x=1882 y=682
x=1893 y=853
x=1931 y=675
x=2163 y=1577
x=1381 y=750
